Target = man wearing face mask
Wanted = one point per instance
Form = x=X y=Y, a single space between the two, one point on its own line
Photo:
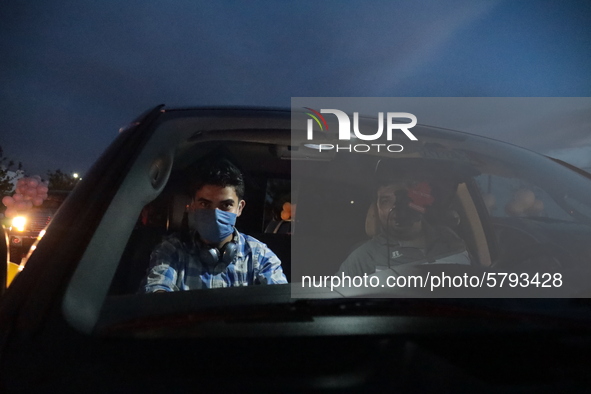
x=404 y=236
x=214 y=254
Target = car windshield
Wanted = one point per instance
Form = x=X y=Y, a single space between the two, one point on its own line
x=514 y=210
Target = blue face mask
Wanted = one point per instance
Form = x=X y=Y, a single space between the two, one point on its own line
x=213 y=225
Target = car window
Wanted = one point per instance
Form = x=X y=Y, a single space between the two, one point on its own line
x=513 y=197
x=279 y=212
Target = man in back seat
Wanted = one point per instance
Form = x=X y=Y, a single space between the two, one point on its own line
x=214 y=254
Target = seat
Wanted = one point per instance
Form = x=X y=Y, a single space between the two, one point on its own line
x=165 y=215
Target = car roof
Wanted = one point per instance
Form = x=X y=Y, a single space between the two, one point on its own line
x=286 y=112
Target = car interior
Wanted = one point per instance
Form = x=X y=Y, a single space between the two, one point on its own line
x=335 y=210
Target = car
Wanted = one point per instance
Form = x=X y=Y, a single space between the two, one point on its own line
x=76 y=318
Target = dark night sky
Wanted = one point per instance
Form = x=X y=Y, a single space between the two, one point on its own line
x=73 y=72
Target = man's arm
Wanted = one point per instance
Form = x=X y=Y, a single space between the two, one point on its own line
x=450 y=248
x=270 y=271
x=359 y=262
x=163 y=272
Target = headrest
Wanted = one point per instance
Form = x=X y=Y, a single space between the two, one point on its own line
x=178 y=207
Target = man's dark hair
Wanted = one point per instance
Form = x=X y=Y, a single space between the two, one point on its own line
x=218 y=172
